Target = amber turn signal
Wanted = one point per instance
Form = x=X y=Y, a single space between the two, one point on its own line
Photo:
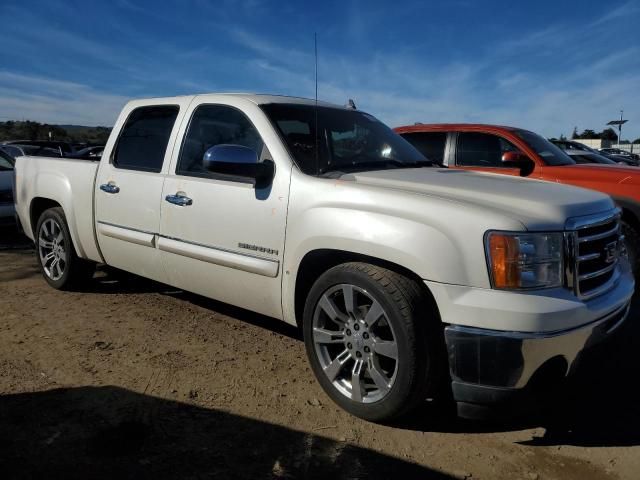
x=504 y=252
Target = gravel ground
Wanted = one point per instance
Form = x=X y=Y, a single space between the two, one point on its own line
x=133 y=379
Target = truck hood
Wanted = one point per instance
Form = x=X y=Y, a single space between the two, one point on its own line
x=537 y=205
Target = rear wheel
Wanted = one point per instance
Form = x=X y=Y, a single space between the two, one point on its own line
x=368 y=340
x=59 y=263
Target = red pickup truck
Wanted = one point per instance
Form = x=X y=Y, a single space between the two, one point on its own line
x=514 y=151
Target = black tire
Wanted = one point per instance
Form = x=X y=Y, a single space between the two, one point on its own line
x=632 y=243
x=411 y=318
x=74 y=272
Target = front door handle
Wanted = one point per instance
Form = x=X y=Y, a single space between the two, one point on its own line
x=110 y=187
x=179 y=199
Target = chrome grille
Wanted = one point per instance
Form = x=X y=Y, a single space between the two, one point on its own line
x=593 y=247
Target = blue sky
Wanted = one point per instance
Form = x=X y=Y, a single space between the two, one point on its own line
x=547 y=66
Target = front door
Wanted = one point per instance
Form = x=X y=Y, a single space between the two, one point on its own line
x=129 y=188
x=225 y=238
x=483 y=152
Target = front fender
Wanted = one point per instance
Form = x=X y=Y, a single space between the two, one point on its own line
x=436 y=239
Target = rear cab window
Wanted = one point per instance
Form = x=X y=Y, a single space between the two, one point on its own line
x=143 y=140
x=431 y=144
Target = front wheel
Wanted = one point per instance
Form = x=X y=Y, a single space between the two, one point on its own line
x=59 y=263
x=370 y=338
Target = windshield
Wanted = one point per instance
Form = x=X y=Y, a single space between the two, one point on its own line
x=347 y=140
x=551 y=154
x=592 y=158
x=6 y=162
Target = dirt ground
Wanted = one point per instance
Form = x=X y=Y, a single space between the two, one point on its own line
x=132 y=379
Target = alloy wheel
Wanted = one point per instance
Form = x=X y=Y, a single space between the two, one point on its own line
x=52 y=249
x=355 y=343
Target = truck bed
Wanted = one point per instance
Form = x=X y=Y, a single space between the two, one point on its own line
x=70 y=182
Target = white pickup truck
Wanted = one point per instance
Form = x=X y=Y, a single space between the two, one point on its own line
x=408 y=280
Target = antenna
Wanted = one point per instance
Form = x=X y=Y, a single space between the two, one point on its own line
x=315 y=48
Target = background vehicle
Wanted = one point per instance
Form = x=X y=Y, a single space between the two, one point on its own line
x=17 y=150
x=7 y=210
x=571 y=145
x=63 y=148
x=622 y=153
x=323 y=217
x=514 y=151
x=94 y=152
x=582 y=156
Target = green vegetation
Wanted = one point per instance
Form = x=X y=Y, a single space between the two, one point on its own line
x=588 y=134
x=28 y=130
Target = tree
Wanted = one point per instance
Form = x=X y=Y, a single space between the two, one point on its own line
x=637 y=140
x=562 y=137
x=609 y=134
x=575 y=135
x=588 y=134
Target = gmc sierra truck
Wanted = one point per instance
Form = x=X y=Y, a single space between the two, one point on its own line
x=409 y=281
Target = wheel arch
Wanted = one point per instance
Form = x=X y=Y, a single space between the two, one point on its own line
x=37 y=208
x=316 y=262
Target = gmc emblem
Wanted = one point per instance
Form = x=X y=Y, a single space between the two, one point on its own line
x=611 y=252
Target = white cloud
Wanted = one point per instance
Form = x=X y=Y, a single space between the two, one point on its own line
x=53 y=101
x=625 y=10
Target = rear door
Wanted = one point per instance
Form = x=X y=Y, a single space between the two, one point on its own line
x=129 y=186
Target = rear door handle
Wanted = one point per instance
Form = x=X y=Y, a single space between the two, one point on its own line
x=110 y=187
x=179 y=199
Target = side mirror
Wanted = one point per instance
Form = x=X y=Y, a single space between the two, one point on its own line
x=239 y=162
x=519 y=160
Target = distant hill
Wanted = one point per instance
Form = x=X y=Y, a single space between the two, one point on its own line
x=28 y=130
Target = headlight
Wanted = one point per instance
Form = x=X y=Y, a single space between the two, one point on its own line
x=524 y=260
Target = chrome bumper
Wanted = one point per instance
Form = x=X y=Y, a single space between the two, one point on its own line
x=491 y=359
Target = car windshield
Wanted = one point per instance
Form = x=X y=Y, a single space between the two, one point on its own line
x=551 y=154
x=346 y=140
x=6 y=161
x=592 y=158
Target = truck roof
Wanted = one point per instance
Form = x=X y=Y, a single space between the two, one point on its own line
x=257 y=98
x=424 y=127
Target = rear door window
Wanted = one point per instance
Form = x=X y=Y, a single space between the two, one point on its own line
x=430 y=144
x=144 y=138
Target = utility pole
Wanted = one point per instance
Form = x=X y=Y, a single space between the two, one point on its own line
x=619 y=123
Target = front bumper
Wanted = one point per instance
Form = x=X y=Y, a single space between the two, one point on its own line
x=490 y=365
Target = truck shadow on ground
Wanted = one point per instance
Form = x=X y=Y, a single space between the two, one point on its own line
x=109 y=432
x=110 y=280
